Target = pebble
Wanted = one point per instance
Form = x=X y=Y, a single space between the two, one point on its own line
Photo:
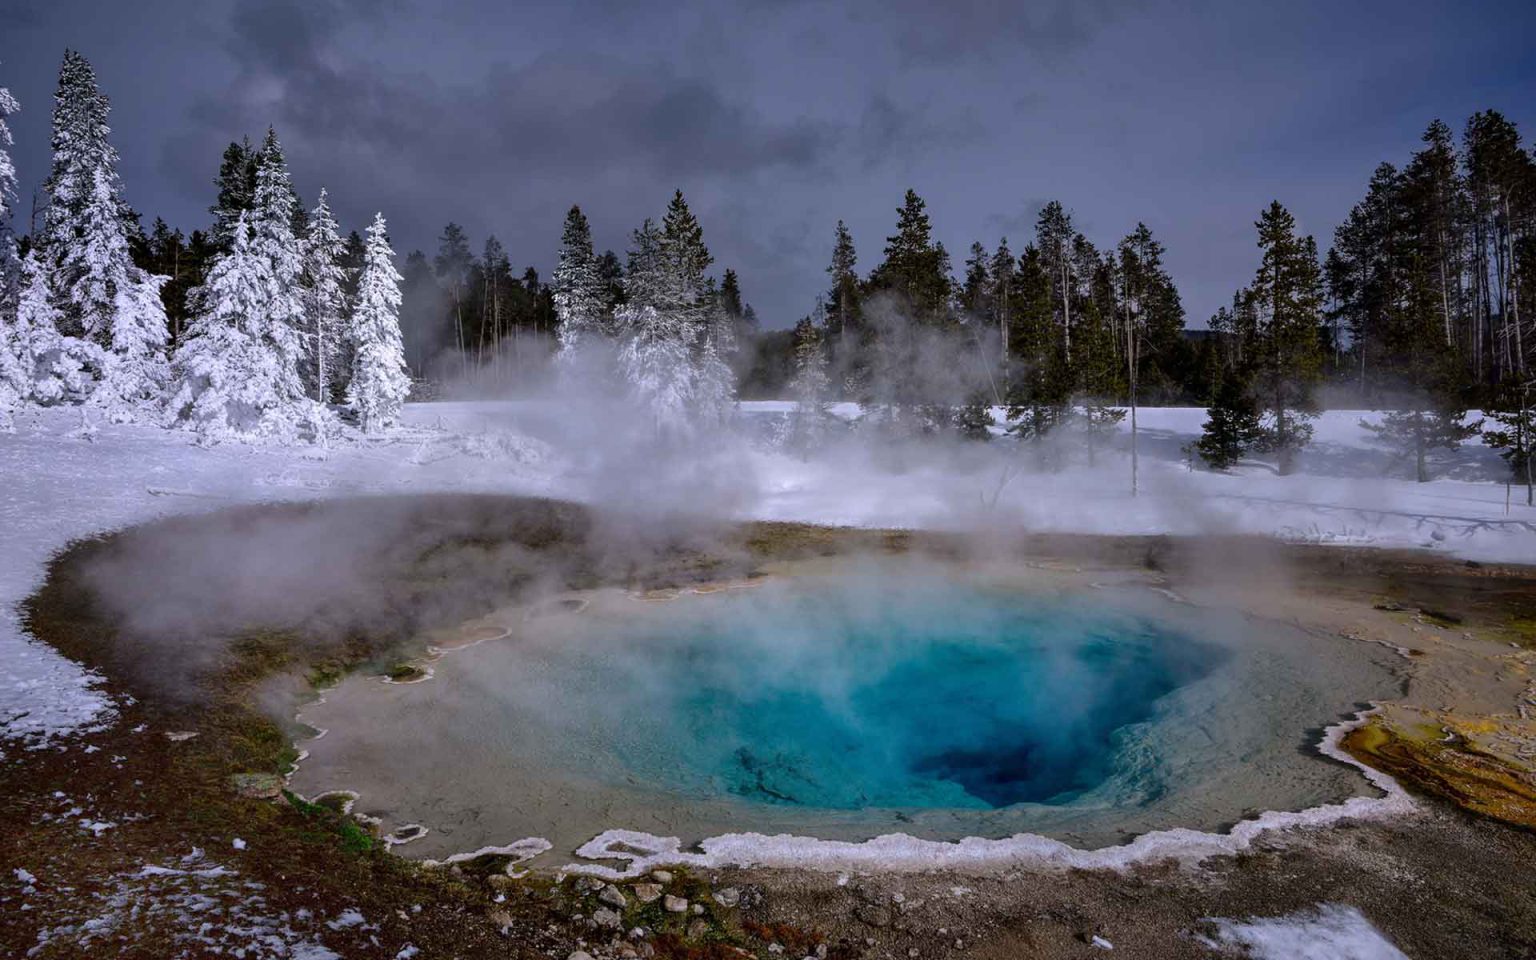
x=698 y=909
x=580 y=955
x=604 y=917
x=674 y=904
x=647 y=892
x=727 y=897
x=612 y=896
x=661 y=876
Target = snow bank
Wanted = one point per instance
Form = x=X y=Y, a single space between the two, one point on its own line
x=1330 y=932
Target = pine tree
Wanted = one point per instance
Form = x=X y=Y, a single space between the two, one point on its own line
x=237 y=191
x=643 y=278
x=656 y=364
x=325 y=305
x=611 y=272
x=10 y=262
x=683 y=259
x=1514 y=409
x=54 y=368
x=380 y=381
x=973 y=419
x=453 y=263
x=83 y=231
x=1053 y=240
x=1232 y=423
x=843 y=298
x=1287 y=295
x=272 y=242
x=1003 y=271
x=581 y=296
x=102 y=295
x=915 y=269
x=809 y=385
x=230 y=379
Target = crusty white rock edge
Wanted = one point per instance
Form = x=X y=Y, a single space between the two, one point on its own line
x=899 y=852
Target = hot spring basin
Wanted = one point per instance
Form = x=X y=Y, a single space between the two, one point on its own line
x=846 y=706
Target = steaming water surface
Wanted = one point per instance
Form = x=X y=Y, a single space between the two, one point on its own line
x=937 y=704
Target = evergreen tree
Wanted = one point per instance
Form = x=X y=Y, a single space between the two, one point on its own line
x=808 y=387
x=83 y=231
x=453 y=263
x=973 y=419
x=846 y=332
x=1003 y=273
x=643 y=277
x=656 y=365
x=1232 y=423
x=231 y=380
x=380 y=382
x=326 y=338
x=1053 y=241
x=101 y=293
x=1287 y=296
x=237 y=191
x=683 y=259
x=10 y=260
x=272 y=242
x=581 y=294
x=976 y=290
x=54 y=368
x=1514 y=409
x=915 y=269
x=730 y=297
x=611 y=272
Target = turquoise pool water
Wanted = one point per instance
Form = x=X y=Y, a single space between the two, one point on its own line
x=893 y=697
x=902 y=698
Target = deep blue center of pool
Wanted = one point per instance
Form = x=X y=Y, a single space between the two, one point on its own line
x=935 y=697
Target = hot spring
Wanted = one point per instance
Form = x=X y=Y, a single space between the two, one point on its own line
x=907 y=698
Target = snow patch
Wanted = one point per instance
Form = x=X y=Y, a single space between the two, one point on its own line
x=1329 y=932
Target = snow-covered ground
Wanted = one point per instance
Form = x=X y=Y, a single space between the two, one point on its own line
x=62 y=482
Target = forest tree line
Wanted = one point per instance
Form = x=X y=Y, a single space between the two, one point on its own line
x=1424 y=304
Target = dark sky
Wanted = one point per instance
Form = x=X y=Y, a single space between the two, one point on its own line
x=777 y=117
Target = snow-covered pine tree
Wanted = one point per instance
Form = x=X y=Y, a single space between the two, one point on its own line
x=272 y=242
x=683 y=260
x=808 y=387
x=237 y=186
x=380 y=381
x=657 y=365
x=56 y=368
x=101 y=294
x=230 y=380
x=581 y=300
x=325 y=304
x=10 y=263
x=83 y=232
x=643 y=275
x=136 y=372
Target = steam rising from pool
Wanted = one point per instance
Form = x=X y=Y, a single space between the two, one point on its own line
x=899 y=697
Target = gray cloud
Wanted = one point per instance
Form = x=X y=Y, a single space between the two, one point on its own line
x=779 y=117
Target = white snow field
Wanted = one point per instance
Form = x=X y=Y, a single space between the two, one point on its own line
x=65 y=480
